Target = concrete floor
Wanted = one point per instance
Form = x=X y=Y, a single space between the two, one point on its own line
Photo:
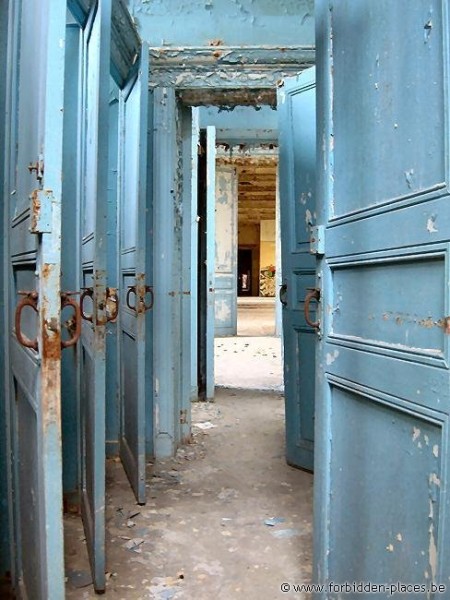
x=206 y=531
x=203 y=533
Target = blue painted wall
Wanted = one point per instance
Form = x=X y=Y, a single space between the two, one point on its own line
x=232 y=22
x=4 y=549
x=242 y=124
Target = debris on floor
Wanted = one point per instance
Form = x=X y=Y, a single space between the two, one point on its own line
x=226 y=518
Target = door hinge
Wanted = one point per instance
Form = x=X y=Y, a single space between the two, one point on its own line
x=317 y=240
x=41 y=211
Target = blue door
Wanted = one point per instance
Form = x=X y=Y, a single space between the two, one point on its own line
x=210 y=256
x=225 y=276
x=383 y=393
x=297 y=177
x=206 y=261
x=96 y=85
x=34 y=142
x=136 y=293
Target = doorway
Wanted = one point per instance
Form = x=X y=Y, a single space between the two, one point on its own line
x=245 y=259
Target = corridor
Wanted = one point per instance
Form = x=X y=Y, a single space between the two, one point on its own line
x=207 y=529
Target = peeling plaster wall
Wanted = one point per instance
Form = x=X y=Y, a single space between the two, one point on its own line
x=243 y=124
x=224 y=22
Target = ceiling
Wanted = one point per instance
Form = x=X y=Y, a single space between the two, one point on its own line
x=257 y=176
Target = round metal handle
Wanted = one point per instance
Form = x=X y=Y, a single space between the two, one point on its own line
x=283 y=294
x=88 y=292
x=313 y=294
x=67 y=301
x=131 y=290
x=30 y=299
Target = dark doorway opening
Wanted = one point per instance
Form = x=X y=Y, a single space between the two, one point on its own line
x=245 y=258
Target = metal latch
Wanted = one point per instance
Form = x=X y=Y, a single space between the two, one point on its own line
x=41 y=211
x=317 y=240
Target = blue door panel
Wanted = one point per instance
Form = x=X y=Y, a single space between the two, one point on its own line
x=136 y=294
x=225 y=277
x=210 y=256
x=112 y=376
x=70 y=268
x=94 y=199
x=297 y=168
x=33 y=162
x=382 y=407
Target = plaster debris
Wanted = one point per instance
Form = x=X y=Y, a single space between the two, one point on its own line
x=274 y=521
x=205 y=425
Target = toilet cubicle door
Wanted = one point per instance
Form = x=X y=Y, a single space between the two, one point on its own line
x=381 y=488
x=297 y=122
x=32 y=201
x=94 y=197
x=136 y=293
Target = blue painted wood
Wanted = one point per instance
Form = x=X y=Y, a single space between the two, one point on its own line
x=149 y=269
x=382 y=411
x=195 y=22
x=191 y=200
x=5 y=556
x=34 y=130
x=97 y=36
x=189 y=257
x=297 y=122
x=210 y=256
x=225 y=261
x=112 y=261
x=133 y=239
x=70 y=267
x=167 y=273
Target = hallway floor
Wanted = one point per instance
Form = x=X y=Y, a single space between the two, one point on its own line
x=225 y=519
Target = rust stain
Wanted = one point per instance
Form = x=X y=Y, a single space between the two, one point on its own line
x=50 y=351
x=35 y=209
x=427 y=323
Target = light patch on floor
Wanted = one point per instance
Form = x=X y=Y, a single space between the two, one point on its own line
x=249 y=363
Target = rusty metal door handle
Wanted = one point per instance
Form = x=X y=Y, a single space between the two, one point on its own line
x=313 y=294
x=66 y=300
x=29 y=299
x=112 y=297
x=87 y=293
x=149 y=290
x=131 y=290
x=283 y=294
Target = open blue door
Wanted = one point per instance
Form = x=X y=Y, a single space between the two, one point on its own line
x=32 y=201
x=206 y=260
x=136 y=294
x=96 y=86
x=225 y=276
x=383 y=395
x=297 y=177
x=210 y=256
